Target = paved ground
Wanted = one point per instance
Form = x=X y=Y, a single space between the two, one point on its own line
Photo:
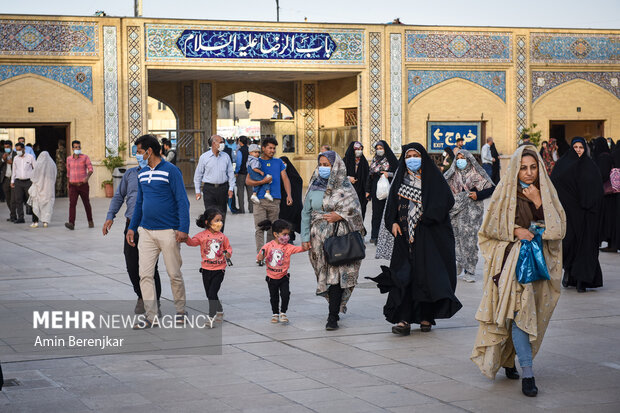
x=298 y=367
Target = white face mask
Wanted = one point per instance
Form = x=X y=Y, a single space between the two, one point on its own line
x=359 y=153
x=77 y=151
x=19 y=153
x=380 y=152
x=221 y=147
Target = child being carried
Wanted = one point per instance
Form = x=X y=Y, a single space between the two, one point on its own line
x=254 y=169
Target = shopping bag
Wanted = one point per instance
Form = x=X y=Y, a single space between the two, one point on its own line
x=383 y=188
x=531 y=265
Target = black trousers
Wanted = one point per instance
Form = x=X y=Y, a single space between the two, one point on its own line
x=377 y=213
x=334 y=293
x=20 y=196
x=279 y=288
x=216 y=197
x=212 y=281
x=133 y=265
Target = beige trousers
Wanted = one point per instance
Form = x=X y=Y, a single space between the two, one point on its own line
x=152 y=243
x=265 y=210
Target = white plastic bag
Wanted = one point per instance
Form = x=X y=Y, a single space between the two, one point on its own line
x=383 y=188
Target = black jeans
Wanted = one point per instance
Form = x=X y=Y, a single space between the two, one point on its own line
x=20 y=196
x=133 y=265
x=334 y=293
x=216 y=197
x=279 y=288
x=212 y=281
x=377 y=213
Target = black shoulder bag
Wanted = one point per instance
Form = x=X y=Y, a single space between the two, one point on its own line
x=344 y=249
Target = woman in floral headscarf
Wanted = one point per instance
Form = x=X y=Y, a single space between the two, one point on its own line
x=513 y=317
x=330 y=199
x=470 y=186
x=549 y=153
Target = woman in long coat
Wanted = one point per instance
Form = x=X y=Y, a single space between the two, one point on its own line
x=513 y=317
x=357 y=172
x=292 y=213
x=470 y=186
x=42 y=192
x=580 y=188
x=421 y=278
x=384 y=163
x=330 y=199
x=602 y=157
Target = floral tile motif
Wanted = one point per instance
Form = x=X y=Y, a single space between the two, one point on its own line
x=421 y=80
x=542 y=82
x=521 y=90
x=110 y=87
x=48 y=38
x=79 y=78
x=134 y=63
x=575 y=48
x=396 y=90
x=433 y=46
x=375 y=88
x=161 y=44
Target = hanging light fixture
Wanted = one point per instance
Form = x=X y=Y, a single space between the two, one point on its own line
x=247 y=102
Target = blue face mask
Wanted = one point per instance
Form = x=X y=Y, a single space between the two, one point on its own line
x=141 y=161
x=324 y=171
x=523 y=184
x=413 y=164
x=7 y=150
x=461 y=163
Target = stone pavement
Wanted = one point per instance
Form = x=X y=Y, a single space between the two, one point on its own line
x=298 y=367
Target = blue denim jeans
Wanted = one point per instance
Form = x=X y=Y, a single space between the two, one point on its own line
x=488 y=168
x=521 y=341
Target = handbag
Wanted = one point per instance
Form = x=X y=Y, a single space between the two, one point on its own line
x=613 y=185
x=531 y=265
x=344 y=249
x=383 y=188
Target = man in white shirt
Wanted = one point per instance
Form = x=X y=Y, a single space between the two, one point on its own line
x=487 y=158
x=23 y=168
x=6 y=171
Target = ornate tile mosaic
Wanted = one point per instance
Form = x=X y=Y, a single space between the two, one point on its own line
x=360 y=107
x=396 y=90
x=205 y=108
x=432 y=46
x=48 y=38
x=420 y=80
x=375 y=93
x=134 y=66
x=308 y=99
x=575 y=48
x=79 y=78
x=543 y=82
x=188 y=107
x=521 y=85
x=110 y=87
x=161 y=44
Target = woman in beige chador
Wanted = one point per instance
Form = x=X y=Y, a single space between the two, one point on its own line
x=513 y=317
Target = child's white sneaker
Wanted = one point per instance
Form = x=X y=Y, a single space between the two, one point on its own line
x=283 y=318
x=34 y=225
x=268 y=197
x=255 y=199
x=275 y=318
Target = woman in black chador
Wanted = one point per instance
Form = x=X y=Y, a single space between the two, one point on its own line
x=384 y=163
x=421 y=279
x=580 y=189
x=292 y=213
x=357 y=171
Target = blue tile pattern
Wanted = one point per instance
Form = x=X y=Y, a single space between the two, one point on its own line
x=575 y=48
x=433 y=46
x=79 y=78
x=542 y=82
x=420 y=80
x=49 y=38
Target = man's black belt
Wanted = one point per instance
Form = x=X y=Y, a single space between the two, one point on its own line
x=215 y=185
x=27 y=179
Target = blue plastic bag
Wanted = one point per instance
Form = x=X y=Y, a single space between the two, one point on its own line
x=531 y=265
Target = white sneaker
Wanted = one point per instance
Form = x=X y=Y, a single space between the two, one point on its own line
x=255 y=199
x=45 y=225
x=268 y=197
x=469 y=278
x=34 y=225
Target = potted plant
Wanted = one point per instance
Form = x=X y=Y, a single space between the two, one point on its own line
x=534 y=135
x=112 y=161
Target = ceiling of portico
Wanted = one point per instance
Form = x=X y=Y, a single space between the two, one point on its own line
x=174 y=75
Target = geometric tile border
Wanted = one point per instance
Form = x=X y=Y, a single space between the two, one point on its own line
x=205 y=108
x=49 y=38
x=433 y=46
x=542 y=82
x=575 y=48
x=396 y=91
x=521 y=85
x=360 y=102
x=188 y=107
x=110 y=87
x=375 y=88
x=134 y=66
x=309 y=107
x=421 y=80
x=79 y=78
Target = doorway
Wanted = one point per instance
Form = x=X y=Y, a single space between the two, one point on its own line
x=563 y=131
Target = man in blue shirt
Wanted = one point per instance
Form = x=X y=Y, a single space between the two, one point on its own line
x=269 y=210
x=161 y=217
x=216 y=174
x=128 y=191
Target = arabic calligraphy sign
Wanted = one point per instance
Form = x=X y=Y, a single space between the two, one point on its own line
x=442 y=134
x=225 y=44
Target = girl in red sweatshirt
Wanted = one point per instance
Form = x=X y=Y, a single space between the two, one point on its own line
x=215 y=250
x=277 y=256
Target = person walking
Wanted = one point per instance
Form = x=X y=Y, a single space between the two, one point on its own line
x=487 y=157
x=331 y=198
x=127 y=192
x=384 y=163
x=216 y=175
x=161 y=217
x=21 y=174
x=421 y=278
x=27 y=148
x=266 y=211
x=43 y=189
x=168 y=152
x=6 y=171
x=495 y=176
x=513 y=317
x=357 y=172
x=61 y=170
x=241 y=172
x=79 y=170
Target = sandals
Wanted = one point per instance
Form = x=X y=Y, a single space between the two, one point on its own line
x=283 y=318
x=425 y=328
x=402 y=328
x=275 y=318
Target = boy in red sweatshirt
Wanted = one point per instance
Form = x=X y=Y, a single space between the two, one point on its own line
x=215 y=249
x=277 y=255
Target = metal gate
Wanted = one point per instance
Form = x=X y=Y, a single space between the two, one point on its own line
x=189 y=144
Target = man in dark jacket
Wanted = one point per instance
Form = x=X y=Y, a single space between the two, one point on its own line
x=6 y=164
x=241 y=171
